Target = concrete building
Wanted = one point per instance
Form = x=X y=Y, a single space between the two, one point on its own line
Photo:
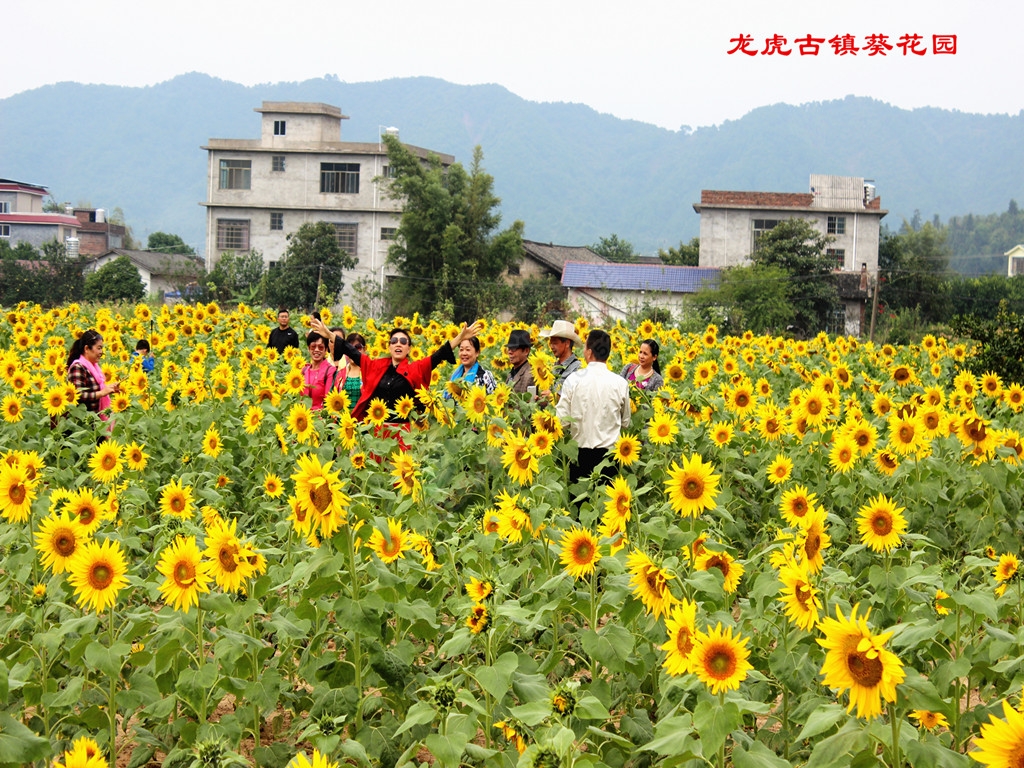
x=22 y=219
x=844 y=207
x=299 y=171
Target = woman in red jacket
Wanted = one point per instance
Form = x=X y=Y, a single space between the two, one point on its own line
x=396 y=376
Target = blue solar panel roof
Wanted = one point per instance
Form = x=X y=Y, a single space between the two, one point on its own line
x=638 y=277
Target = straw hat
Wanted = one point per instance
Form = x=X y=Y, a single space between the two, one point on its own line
x=562 y=329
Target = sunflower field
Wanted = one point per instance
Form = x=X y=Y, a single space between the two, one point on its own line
x=808 y=555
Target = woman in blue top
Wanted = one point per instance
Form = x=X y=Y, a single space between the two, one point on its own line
x=470 y=372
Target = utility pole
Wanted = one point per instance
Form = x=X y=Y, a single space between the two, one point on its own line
x=319 y=280
x=874 y=306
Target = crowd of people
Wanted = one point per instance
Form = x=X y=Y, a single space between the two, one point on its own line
x=592 y=400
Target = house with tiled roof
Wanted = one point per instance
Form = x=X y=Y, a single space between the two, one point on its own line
x=160 y=273
x=541 y=259
x=1015 y=261
x=614 y=291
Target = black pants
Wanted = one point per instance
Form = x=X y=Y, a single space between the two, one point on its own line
x=586 y=462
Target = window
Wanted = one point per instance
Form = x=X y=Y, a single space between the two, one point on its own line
x=5 y=230
x=838 y=255
x=388 y=233
x=347 y=236
x=272 y=264
x=759 y=227
x=5 y=207
x=389 y=172
x=1017 y=266
x=233 y=234
x=277 y=162
x=837 y=225
x=339 y=177
x=276 y=220
x=279 y=126
x=235 y=174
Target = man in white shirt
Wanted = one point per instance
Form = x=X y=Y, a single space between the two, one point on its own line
x=595 y=405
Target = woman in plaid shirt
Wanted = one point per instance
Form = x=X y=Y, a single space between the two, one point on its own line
x=85 y=374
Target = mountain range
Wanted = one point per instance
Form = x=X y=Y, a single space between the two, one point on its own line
x=570 y=173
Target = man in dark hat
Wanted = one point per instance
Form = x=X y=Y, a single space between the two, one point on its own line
x=518 y=351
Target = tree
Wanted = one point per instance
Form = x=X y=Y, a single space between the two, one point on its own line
x=540 y=300
x=755 y=297
x=49 y=278
x=614 y=248
x=312 y=270
x=116 y=216
x=162 y=242
x=686 y=255
x=237 y=277
x=799 y=250
x=449 y=254
x=117 y=280
x=911 y=267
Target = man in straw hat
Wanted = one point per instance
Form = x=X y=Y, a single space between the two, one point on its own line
x=517 y=349
x=561 y=336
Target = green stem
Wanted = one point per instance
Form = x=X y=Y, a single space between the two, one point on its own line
x=593 y=621
x=894 y=722
x=357 y=651
x=721 y=749
x=112 y=689
x=200 y=659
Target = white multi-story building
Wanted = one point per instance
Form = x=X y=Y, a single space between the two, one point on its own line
x=843 y=207
x=22 y=218
x=299 y=171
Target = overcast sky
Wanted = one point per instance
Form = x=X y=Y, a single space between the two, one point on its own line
x=659 y=61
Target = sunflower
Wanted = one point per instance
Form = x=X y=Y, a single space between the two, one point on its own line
x=294 y=382
x=649 y=583
x=394 y=545
x=320 y=494
x=692 y=488
x=212 y=445
x=780 y=470
x=1001 y=742
x=32 y=463
x=618 y=505
x=929 y=720
x=57 y=540
x=55 y=400
x=881 y=523
x=796 y=503
x=232 y=560
x=336 y=402
x=86 y=508
x=176 y=500
x=479 y=590
x=662 y=428
x=856 y=661
x=106 y=462
x=253 y=418
x=1006 y=568
x=886 y=462
x=770 y=423
x=479 y=619
x=97 y=573
x=799 y=597
x=348 y=431
x=300 y=422
x=579 y=552
x=12 y=409
x=16 y=493
x=518 y=458
x=731 y=570
x=475 y=404
x=541 y=443
x=721 y=433
x=843 y=455
x=404 y=472
x=905 y=434
x=135 y=457
x=377 y=412
x=272 y=485
x=547 y=421
x=720 y=660
x=1013 y=396
x=317 y=761
x=681 y=624
x=813 y=540
x=185 y=574
x=626 y=450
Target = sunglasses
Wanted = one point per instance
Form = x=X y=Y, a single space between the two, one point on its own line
x=317 y=345
x=398 y=340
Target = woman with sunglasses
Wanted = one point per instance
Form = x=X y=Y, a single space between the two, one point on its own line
x=319 y=374
x=396 y=376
